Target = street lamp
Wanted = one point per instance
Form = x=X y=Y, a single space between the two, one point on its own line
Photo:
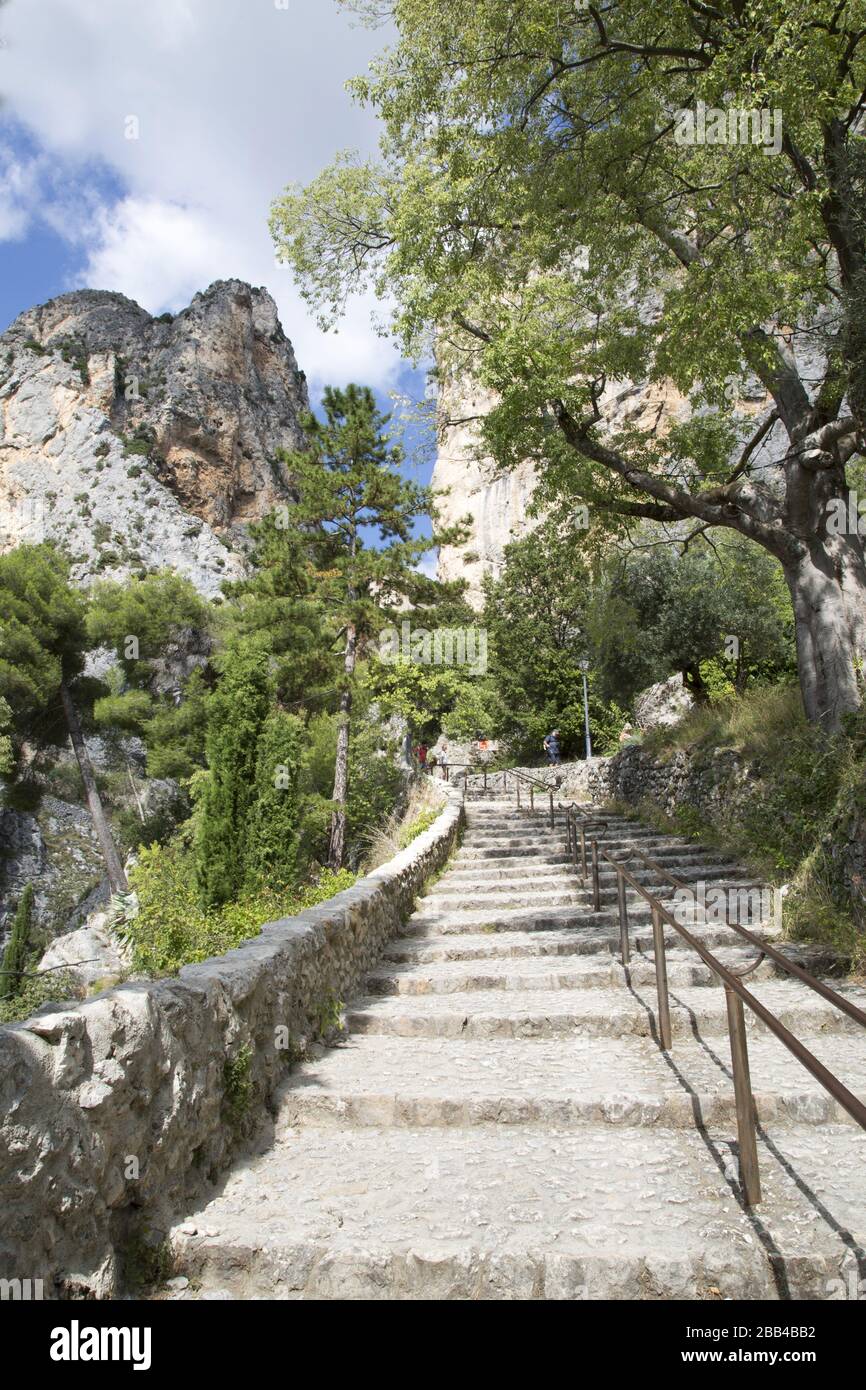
x=584 y=667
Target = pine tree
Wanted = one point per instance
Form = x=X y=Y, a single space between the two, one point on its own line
x=43 y=639
x=348 y=484
x=15 y=955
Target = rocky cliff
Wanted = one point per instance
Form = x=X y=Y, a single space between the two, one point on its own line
x=137 y=443
x=141 y=442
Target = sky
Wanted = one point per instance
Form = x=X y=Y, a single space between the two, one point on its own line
x=228 y=101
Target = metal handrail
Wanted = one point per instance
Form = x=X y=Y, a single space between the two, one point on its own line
x=831 y=995
x=736 y=995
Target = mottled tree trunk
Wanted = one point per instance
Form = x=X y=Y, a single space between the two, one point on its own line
x=114 y=868
x=828 y=590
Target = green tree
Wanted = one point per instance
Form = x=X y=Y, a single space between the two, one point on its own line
x=660 y=611
x=43 y=638
x=273 y=826
x=544 y=203
x=236 y=714
x=142 y=620
x=7 y=755
x=349 y=488
x=15 y=955
x=538 y=615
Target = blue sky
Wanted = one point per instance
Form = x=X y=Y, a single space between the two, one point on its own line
x=227 y=102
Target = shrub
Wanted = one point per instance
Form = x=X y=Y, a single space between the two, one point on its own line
x=173 y=929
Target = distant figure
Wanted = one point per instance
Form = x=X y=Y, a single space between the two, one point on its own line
x=551 y=748
x=443 y=759
x=627 y=733
x=421 y=755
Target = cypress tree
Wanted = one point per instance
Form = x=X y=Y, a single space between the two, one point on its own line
x=237 y=711
x=15 y=955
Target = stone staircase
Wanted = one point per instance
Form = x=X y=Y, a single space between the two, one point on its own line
x=501 y=1122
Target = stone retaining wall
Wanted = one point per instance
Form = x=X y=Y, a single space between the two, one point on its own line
x=116 y=1111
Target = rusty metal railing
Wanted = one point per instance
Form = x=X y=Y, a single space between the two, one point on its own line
x=736 y=994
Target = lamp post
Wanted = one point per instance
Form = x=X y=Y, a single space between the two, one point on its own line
x=584 y=667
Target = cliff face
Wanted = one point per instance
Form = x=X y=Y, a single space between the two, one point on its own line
x=140 y=442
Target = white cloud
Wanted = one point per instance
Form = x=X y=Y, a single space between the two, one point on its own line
x=427 y=564
x=19 y=188
x=233 y=99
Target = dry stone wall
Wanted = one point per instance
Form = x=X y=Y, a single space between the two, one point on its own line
x=117 y=1110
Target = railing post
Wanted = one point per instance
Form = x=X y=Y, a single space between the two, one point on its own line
x=596 y=885
x=517 y=785
x=583 y=851
x=623 y=917
x=532 y=798
x=750 y=1176
x=552 y=816
x=661 y=980
x=485 y=778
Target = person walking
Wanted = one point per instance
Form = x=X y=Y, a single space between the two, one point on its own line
x=421 y=755
x=551 y=748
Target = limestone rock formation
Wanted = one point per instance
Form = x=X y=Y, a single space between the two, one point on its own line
x=663 y=703
x=142 y=442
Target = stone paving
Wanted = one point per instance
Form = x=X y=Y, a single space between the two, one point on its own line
x=501 y=1122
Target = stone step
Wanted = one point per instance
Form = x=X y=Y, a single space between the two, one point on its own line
x=593 y=940
x=564 y=893
x=502 y=1212
x=591 y=1012
x=581 y=972
x=565 y=1083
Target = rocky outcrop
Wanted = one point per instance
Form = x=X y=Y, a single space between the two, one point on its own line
x=141 y=442
x=119 y=1109
x=663 y=703
x=91 y=955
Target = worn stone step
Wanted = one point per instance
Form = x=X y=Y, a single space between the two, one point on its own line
x=684 y=968
x=591 y=1012
x=522 y=1213
x=501 y=896
x=581 y=940
x=562 y=1083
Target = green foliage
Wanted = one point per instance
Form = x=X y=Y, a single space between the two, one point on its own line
x=54 y=986
x=151 y=610
x=538 y=614
x=173 y=929
x=535 y=208
x=238 y=1086
x=373 y=787
x=15 y=954
x=175 y=733
x=129 y=711
x=416 y=827
x=805 y=785
x=662 y=611
x=273 y=826
x=236 y=714
x=43 y=633
x=7 y=756
x=348 y=483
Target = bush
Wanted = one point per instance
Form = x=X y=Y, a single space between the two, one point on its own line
x=173 y=929
x=54 y=987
